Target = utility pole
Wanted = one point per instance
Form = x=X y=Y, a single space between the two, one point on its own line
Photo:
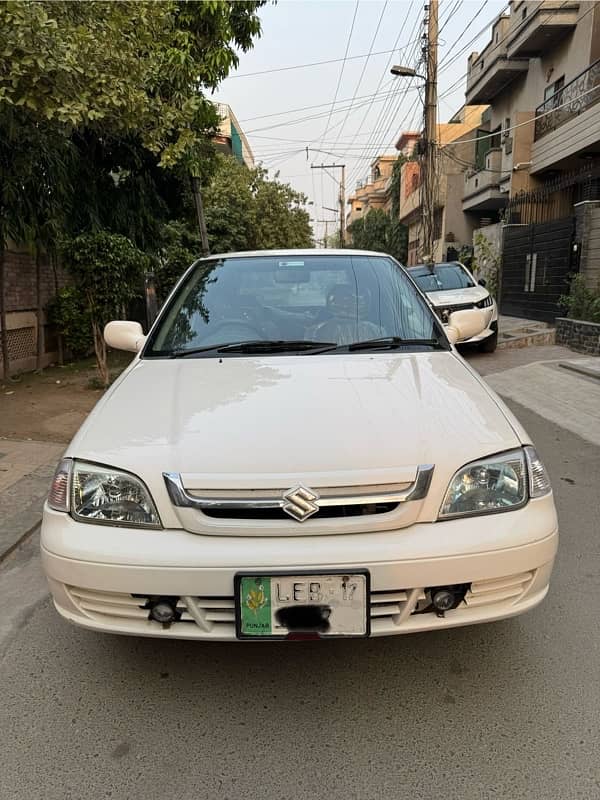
x=196 y=191
x=343 y=207
x=342 y=196
x=429 y=182
x=326 y=221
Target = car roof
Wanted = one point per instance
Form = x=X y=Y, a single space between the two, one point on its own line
x=309 y=251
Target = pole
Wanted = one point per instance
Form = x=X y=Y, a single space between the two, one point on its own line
x=325 y=242
x=429 y=178
x=343 y=207
x=342 y=196
x=200 y=214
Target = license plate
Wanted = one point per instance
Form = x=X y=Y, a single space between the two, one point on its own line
x=277 y=606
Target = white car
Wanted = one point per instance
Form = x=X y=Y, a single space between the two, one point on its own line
x=297 y=451
x=451 y=287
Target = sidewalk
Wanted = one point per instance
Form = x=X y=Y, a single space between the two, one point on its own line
x=26 y=469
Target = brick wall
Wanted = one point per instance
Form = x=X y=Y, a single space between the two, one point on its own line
x=20 y=281
x=21 y=304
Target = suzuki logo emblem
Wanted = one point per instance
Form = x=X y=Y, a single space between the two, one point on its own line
x=300 y=503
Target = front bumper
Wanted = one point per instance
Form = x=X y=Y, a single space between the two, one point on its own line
x=94 y=571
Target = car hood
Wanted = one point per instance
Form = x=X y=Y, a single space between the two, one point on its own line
x=327 y=420
x=454 y=297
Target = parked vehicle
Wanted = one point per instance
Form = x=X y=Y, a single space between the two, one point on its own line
x=451 y=287
x=297 y=450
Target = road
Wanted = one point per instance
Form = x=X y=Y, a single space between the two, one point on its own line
x=507 y=710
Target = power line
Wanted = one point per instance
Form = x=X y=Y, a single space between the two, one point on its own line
x=385 y=72
x=363 y=70
x=388 y=112
x=337 y=88
x=310 y=64
x=300 y=120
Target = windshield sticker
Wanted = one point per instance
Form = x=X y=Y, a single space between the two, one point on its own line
x=290 y=263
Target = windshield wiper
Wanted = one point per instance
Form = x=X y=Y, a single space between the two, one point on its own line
x=391 y=342
x=259 y=346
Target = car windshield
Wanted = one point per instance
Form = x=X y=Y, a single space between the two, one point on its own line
x=290 y=303
x=441 y=277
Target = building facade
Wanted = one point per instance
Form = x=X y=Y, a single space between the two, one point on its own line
x=230 y=138
x=452 y=228
x=372 y=192
x=537 y=160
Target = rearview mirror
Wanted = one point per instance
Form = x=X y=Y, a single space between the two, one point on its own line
x=124 y=335
x=464 y=324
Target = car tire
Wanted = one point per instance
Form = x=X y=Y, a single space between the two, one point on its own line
x=489 y=345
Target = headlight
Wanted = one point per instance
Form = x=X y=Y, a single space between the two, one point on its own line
x=498 y=483
x=93 y=493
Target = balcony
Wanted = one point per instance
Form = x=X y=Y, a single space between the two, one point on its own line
x=490 y=72
x=482 y=192
x=544 y=25
x=568 y=123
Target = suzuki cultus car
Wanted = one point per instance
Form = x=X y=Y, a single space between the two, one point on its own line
x=297 y=451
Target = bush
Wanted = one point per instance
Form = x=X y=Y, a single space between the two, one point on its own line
x=581 y=303
x=179 y=251
x=107 y=271
x=69 y=315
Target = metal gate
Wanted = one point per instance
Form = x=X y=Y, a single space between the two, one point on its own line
x=536 y=263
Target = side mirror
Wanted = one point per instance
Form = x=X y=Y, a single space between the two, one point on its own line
x=124 y=335
x=482 y=282
x=464 y=324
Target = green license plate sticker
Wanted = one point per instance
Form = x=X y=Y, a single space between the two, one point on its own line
x=255 y=606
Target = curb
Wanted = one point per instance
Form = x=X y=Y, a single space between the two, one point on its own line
x=589 y=373
x=527 y=340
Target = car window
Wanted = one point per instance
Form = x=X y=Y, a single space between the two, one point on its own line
x=441 y=277
x=339 y=299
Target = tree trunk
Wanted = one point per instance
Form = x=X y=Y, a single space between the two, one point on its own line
x=3 y=330
x=100 y=351
x=39 y=311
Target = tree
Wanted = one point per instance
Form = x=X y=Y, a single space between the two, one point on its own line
x=281 y=222
x=127 y=67
x=122 y=85
x=381 y=231
x=107 y=271
x=245 y=211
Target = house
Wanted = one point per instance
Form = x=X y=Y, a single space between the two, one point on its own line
x=230 y=138
x=537 y=165
x=452 y=229
x=374 y=191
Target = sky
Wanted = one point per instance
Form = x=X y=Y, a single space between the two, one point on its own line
x=357 y=108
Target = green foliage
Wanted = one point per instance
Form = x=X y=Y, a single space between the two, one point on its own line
x=581 y=303
x=281 y=222
x=245 y=211
x=486 y=262
x=378 y=231
x=68 y=313
x=180 y=249
x=107 y=272
x=127 y=67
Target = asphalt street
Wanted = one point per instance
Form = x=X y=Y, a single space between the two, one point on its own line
x=505 y=710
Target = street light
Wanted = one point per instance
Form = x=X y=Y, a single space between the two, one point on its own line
x=406 y=72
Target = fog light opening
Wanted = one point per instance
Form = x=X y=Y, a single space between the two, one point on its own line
x=163 y=610
x=445 y=598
